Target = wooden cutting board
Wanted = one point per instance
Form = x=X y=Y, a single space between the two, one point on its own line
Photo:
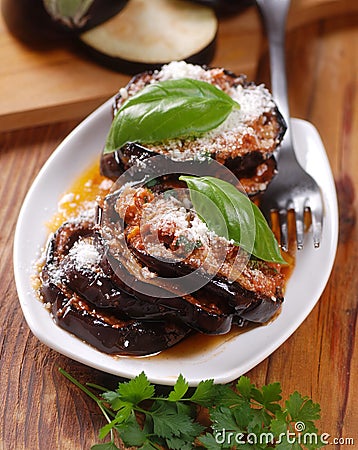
x=59 y=84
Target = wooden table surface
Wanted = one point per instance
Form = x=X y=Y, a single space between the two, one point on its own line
x=38 y=407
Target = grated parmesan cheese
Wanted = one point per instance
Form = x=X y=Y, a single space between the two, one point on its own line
x=239 y=127
x=180 y=69
x=67 y=198
x=84 y=254
x=253 y=100
x=168 y=213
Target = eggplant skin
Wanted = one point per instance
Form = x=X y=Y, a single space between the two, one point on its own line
x=246 y=305
x=195 y=310
x=100 y=286
x=226 y=7
x=110 y=334
x=90 y=306
x=95 y=305
x=29 y=22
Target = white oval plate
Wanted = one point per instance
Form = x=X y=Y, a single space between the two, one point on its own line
x=224 y=362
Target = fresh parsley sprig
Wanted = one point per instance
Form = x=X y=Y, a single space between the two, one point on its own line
x=240 y=416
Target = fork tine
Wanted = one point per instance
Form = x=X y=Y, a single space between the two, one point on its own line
x=282 y=215
x=317 y=219
x=300 y=227
x=316 y=209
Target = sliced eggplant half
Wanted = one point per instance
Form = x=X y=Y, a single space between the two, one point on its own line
x=147 y=34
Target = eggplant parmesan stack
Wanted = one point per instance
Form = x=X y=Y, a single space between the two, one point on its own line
x=146 y=271
x=151 y=273
x=245 y=142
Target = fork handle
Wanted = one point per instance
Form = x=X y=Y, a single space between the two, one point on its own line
x=274 y=13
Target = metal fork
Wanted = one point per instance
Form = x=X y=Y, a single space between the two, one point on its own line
x=292 y=188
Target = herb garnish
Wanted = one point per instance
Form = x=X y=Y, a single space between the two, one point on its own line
x=255 y=416
x=235 y=216
x=170 y=109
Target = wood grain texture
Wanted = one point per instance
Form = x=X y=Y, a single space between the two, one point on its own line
x=39 y=409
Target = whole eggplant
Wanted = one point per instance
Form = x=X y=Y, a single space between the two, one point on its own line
x=40 y=22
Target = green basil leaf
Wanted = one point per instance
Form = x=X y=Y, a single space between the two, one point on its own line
x=245 y=224
x=170 y=109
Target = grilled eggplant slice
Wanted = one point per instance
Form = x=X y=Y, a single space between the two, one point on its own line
x=110 y=333
x=86 y=302
x=167 y=238
x=195 y=310
x=245 y=142
x=78 y=263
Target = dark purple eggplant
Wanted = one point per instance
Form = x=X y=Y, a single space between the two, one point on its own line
x=101 y=285
x=120 y=308
x=196 y=310
x=107 y=326
x=254 y=305
x=93 y=284
x=108 y=333
x=252 y=170
x=39 y=22
x=226 y=7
